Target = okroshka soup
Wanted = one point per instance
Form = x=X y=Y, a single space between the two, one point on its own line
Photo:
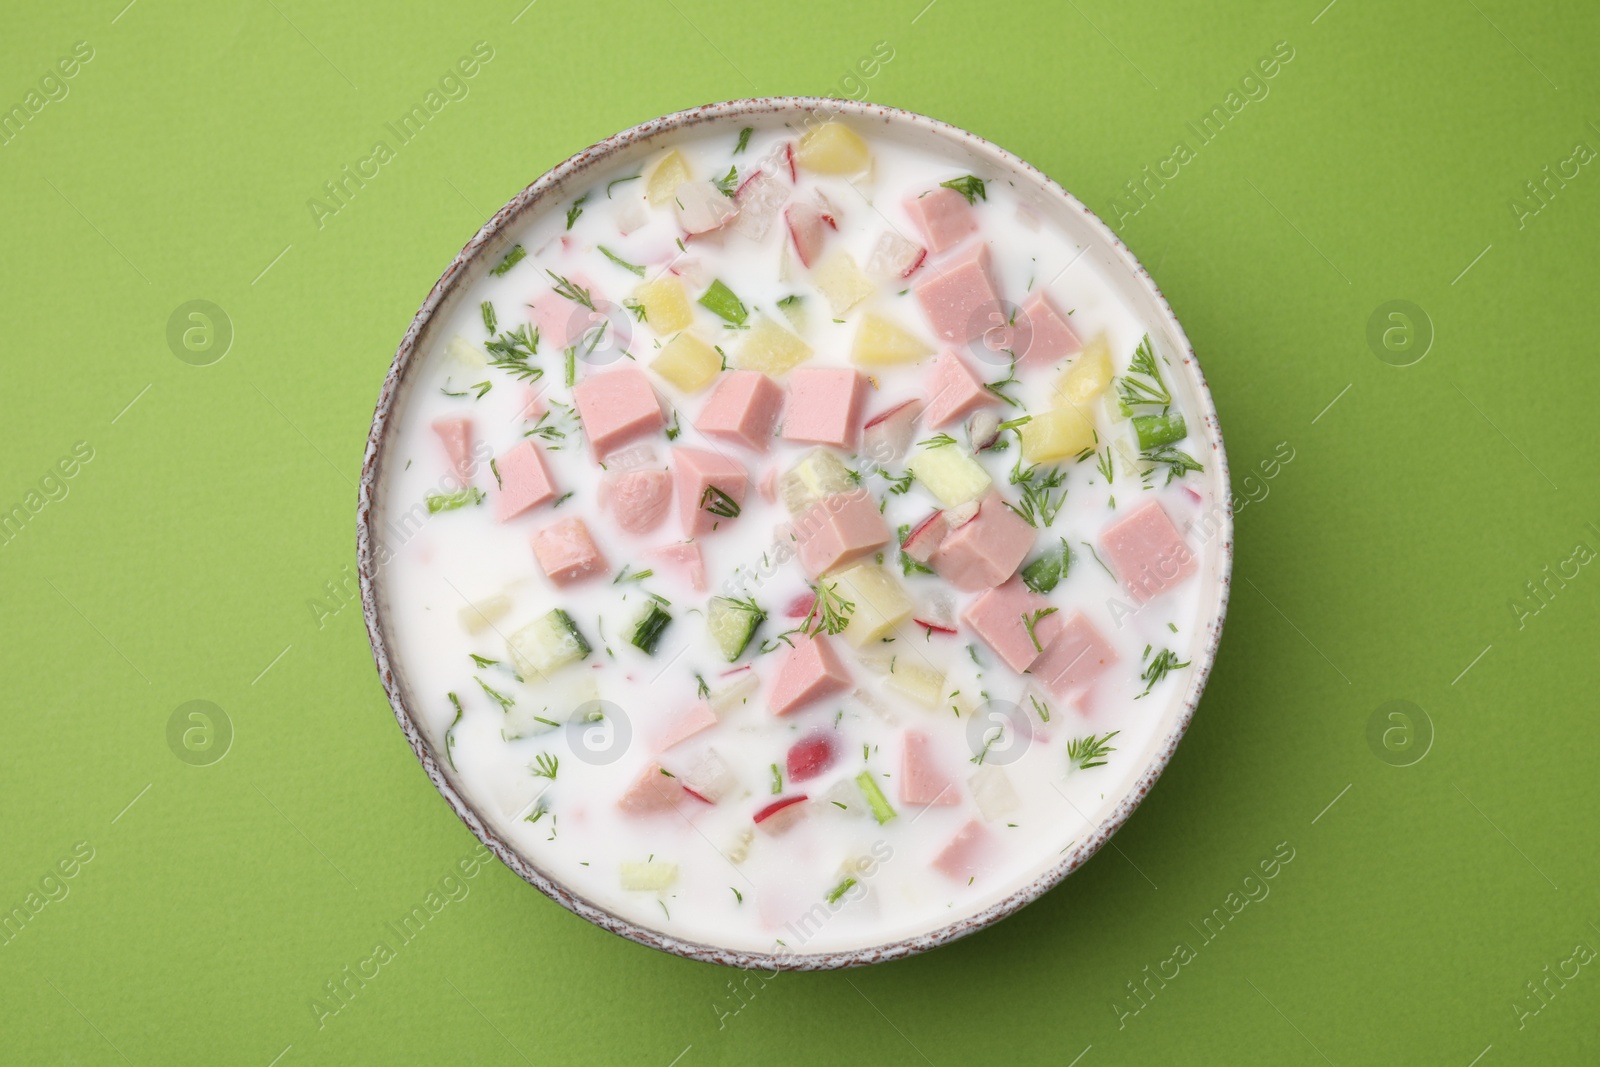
x=798 y=535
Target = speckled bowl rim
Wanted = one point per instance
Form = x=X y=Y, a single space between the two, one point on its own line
x=553 y=182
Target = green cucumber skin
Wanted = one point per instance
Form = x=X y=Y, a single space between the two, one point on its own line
x=1157 y=430
x=721 y=301
x=881 y=808
x=572 y=628
x=647 y=635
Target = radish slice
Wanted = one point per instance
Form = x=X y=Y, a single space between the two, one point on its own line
x=776 y=806
x=810 y=756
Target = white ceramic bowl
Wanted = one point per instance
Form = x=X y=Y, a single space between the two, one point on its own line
x=1131 y=282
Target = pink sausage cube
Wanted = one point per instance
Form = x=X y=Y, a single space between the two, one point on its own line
x=954 y=391
x=944 y=216
x=959 y=296
x=563 y=322
x=811 y=671
x=652 y=792
x=686 y=558
x=1075 y=657
x=685 y=724
x=742 y=409
x=1147 y=551
x=997 y=617
x=525 y=481
x=1042 y=333
x=986 y=551
x=840 y=529
x=617 y=407
x=456 y=435
x=639 y=499
x=709 y=487
x=824 y=406
x=969 y=854
x=567 y=552
x=922 y=781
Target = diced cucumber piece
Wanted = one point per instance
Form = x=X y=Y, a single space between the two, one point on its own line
x=1157 y=430
x=647 y=634
x=881 y=809
x=1046 y=572
x=649 y=876
x=465 y=352
x=820 y=474
x=546 y=644
x=733 y=623
x=720 y=301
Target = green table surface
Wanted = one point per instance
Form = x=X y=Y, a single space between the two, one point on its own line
x=1442 y=900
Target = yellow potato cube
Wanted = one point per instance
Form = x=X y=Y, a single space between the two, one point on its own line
x=771 y=349
x=670 y=171
x=666 y=305
x=1061 y=433
x=1088 y=376
x=881 y=602
x=917 y=682
x=841 y=283
x=688 y=363
x=880 y=342
x=950 y=474
x=833 y=148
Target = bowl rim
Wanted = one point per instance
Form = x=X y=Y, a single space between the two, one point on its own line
x=526 y=201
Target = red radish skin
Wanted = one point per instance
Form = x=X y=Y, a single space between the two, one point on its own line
x=736 y=670
x=877 y=419
x=776 y=806
x=909 y=271
x=933 y=627
x=697 y=796
x=805 y=230
x=811 y=756
x=788 y=152
x=921 y=526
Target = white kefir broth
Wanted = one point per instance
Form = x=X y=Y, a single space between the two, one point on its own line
x=736 y=885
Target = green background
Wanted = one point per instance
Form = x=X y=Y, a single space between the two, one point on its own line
x=1378 y=565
